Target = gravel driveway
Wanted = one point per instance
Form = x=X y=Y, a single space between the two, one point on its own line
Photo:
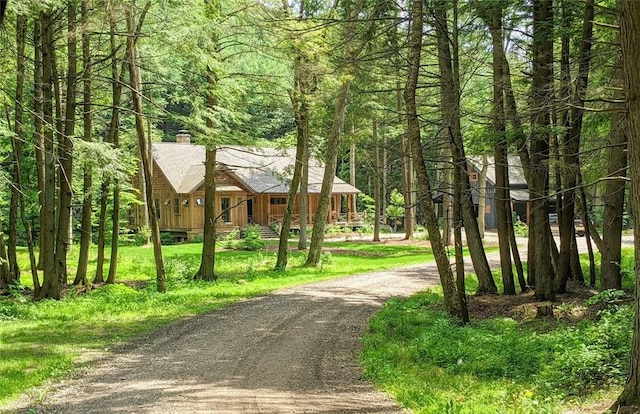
x=293 y=351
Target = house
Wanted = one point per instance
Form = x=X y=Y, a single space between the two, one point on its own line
x=519 y=190
x=252 y=186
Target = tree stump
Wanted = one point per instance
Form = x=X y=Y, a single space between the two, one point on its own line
x=544 y=309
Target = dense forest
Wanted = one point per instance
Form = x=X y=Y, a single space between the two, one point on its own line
x=392 y=96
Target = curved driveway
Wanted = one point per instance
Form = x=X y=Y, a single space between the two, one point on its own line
x=293 y=351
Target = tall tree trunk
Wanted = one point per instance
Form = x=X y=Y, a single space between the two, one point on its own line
x=50 y=288
x=305 y=85
x=317 y=235
x=208 y=257
x=65 y=150
x=541 y=98
x=283 y=245
x=451 y=298
x=405 y=149
x=16 y=143
x=407 y=169
x=571 y=161
x=87 y=181
x=447 y=196
x=611 y=253
x=559 y=153
x=457 y=237
x=18 y=139
x=377 y=191
x=587 y=230
x=629 y=400
x=502 y=86
x=102 y=222
x=4 y=263
x=502 y=197
x=117 y=82
x=511 y=112
x=304 y=193
x=134 y=81
x=351 y=53
x=385 y=177
x=482 y=196
x=450 y=108
x=38 y=124
x=352 y=180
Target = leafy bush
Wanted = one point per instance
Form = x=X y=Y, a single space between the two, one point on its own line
x=368 y=202
x=252 y=239
x=332 y=230
x=167 y=239
x=395 y=209
x=606 y=296
x=231 y=238
x=365 y=229
x=519 y=228
x=142 y=236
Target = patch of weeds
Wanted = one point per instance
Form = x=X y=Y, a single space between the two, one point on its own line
x=10 y=310
x=181 y=267
x=326 y=258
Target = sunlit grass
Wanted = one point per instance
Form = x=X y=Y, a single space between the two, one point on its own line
x=42 y=340
x=431 y=364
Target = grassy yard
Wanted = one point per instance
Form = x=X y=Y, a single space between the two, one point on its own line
x=49 y=339
x=507 y=363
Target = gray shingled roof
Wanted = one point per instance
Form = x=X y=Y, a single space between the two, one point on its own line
x=261 y=170
x=516 y=174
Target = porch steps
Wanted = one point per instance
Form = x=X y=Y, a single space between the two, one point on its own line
x=267 y=232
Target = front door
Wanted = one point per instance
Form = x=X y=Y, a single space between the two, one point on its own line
x=250 y=211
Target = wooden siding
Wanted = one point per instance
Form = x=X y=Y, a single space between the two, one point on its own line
x=184 y=213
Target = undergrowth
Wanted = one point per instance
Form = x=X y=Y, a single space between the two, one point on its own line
x=431 y=364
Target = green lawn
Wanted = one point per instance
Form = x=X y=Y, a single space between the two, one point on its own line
x=43 y=340
x=431 y=364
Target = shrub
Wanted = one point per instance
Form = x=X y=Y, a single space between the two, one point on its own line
x=231 y=238
x=142 y=236
x=332 y=230
x=167 y=238
x=252 y=239
x=519 y=228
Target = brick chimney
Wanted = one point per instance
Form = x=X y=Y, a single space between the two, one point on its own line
x=183 y=137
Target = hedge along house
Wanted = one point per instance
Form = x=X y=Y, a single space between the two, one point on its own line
x=252 y=186
x=518 y=188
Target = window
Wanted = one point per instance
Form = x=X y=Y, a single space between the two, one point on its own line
x=225 y=204
x=473 y=177
x=185 y=202
x=176 y=206
x=278 y=200
x=199 y=201
x=157 y=203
